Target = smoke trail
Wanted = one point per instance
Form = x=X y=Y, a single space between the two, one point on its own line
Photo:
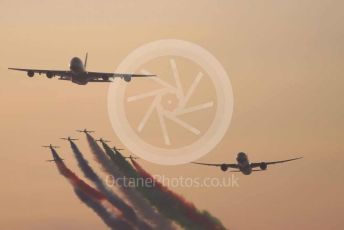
x=200 y=220
x=89 y=173
x=107 y=218
x=92 y=197
x=141 y=205
x=160 y=200
x=166 y=201
x=118 y=159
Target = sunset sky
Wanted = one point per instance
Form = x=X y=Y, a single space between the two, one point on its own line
x=285 y=63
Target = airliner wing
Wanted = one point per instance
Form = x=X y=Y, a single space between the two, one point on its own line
x=235 y=166
x=254 y=165
x=122 y=75
x=91 y=76
x=53 y=73
x=99 y=76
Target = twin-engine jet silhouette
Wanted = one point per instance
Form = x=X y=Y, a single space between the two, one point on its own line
x=78 y=74
x=243 y=165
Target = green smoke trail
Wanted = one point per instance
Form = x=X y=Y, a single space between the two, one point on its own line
x=91 y=197
x=139 y=203
x=166 y=201
x=89 y=173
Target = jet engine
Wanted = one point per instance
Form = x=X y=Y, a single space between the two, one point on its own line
x=30 y=73
x=263 y=166
x=49 y=75
x=127 y=78
x=224 y=167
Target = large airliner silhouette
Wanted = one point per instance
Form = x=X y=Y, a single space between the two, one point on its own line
x=77 y=73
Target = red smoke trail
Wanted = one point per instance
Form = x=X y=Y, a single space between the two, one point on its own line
x=87 y=189
x=133 y=196
x=80 y=184
x=128 y=212
x=92 y=197
x=187 y=208
x=102 y=212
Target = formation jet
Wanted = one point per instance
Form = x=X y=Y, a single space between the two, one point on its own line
x=51 y=146
x=85 y=131
x=102 y=140
x=243 y=164
x=78 y=74
x=125 y=157
x=131 y=157
x=116 y=149
x=68 y=139
x=53 y=152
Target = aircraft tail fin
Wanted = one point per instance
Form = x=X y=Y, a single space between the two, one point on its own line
x=85 y=63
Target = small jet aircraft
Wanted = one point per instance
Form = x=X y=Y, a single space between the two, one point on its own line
x=51 y=146
x=102 y=140
x=68 y=139
x=125 y=157
x=85 y=131
x=243 y=165
x=116 y=149
x=54 y=153
x=78 y=74
x=131 y=157
x=56 y=158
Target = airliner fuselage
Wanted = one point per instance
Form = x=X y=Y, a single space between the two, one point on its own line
x=243 y=163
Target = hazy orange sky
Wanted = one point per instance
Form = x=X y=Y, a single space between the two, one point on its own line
x=285 y=62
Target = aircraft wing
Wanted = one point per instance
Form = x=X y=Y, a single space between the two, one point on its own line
x=85 y=131
x=99 y=76
x=61 y=73
x=121 y=75
x=131 y=157
x=254 y=165
x=59 y=159
x=234 y=166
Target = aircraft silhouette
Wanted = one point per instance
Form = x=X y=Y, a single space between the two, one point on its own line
x=85 y=131
x=78 y=74
x=68 y=139
x=54 y=153
x=243 y=165
x=116 y=149
x=102 y=140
